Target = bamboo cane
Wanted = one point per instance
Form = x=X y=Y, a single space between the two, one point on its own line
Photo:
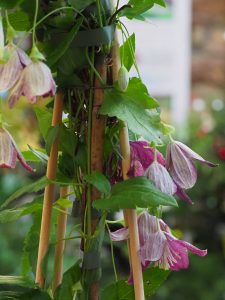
x=59 y=250
x=130 y=215
x=49 y=192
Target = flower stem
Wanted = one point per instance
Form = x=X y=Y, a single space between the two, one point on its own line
x=112 y=254
x=35 y=22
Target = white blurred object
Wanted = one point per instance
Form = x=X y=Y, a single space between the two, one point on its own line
x=198 y=105
x=217 y=104
x=163 y=51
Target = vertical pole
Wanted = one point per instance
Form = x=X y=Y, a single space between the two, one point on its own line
x=59 y=250
x=130 y=215
x=49 y=192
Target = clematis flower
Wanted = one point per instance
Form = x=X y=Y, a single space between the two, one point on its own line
x=158 y=246
x=35 y=81
x=9 y=152
x=179 y=162
x=161 y=178
x=11 y=71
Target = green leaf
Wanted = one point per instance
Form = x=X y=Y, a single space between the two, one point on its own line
x=153 y=279
x=19 y=21
x=10 y=4
x=52 y=134
x=68 y=141
x=70 y=279
x=28 y=188
x=160 y=2
x=118 y=291
x=138 y=8
x=143 y=122
x=16 y=280
x=64 y=202
x=80 y=4
x=44 y=118
x=132 y=193
x=127 y=52
x=98 y=180
x=64 y=44
x=39 y=154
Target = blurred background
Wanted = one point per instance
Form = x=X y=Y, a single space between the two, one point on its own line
x=181 y=55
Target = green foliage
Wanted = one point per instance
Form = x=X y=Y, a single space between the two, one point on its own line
x=44 y=117
x=127 y=52
x=153 y=279
x=52 y=134
x=98 y=180
x=19 y=20
x=35 y=155
x=29 y=188
x=80 y=4
x=64 y=45
x=10 y=4
x=132 y=193
x=133 y=110
x=70 y=283
x=139 y=7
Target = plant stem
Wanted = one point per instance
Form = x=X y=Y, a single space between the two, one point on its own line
x=59 y=250
x=35 y=22
x=49 y=192
x=98 y=4
x=112 y=254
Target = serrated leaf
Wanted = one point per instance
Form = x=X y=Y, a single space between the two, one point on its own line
x=44 y=118
x=64 y=45
x=28 y=188
x=127 y=52
x=143 y=122
x=70 y=279
x=153 y=279
x=132 y=193
x=118 y=291
x=98 y=180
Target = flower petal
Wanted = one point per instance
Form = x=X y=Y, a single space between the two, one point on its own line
x=183 y=196
x=119 y=235
x=161 y=178
x=193 y=155
x=181 y=167
x=8 y=153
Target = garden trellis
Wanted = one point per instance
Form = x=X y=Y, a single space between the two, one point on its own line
x=104 y=153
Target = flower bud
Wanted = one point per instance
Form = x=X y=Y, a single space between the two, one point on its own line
x=123 y=79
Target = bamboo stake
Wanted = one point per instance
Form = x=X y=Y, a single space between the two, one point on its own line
x=130 y=215
x=59 y=250
x=49 y=192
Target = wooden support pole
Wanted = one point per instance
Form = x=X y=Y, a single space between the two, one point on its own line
x=130 y=215
x=49 y=192
x=59 y=249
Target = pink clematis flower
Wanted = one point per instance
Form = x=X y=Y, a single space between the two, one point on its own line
x=158 y=246
x=11 y=71
x=9 y=152
x=35 y=81
x=161 y=178
x=180 y=164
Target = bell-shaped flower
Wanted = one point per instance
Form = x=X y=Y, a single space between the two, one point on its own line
x=172 y=253
x=12 y=69
x=9 y=152
x=179 y=162
x=158 y=246
x=161 y=178
x=35 y=81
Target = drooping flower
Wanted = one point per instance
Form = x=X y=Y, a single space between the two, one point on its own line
x=11 y=70
x=35 y=81
x=161 y=178
x=9 y=152
x=179 y=162
x=158 y=246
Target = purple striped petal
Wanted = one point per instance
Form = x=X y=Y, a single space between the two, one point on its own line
x=181 y=167
x=193 y=155
x=183 y=196
x=161 y=178
x=119 y=235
